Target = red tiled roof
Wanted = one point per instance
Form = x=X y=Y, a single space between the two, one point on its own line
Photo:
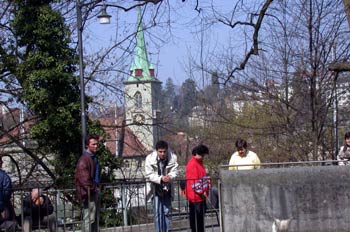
x=132 y=147
x=10 y=121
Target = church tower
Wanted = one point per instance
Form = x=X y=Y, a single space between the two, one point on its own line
x=142 y=93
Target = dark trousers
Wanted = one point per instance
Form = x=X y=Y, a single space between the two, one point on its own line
x=46 y=222
x=197 y=211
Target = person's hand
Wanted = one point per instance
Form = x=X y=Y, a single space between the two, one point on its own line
x=205 y=195
x=39 y=201
x=166 y=179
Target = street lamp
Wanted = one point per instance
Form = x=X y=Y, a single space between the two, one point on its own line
x=104 y=19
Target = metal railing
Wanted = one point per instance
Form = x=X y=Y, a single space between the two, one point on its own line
x=289 y=164
x=123 y=204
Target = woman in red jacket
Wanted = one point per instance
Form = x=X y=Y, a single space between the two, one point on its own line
x=197 y=187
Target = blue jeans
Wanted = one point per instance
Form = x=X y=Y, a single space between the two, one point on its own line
x=161 y=212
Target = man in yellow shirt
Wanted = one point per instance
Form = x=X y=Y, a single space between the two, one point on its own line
x=243 y=157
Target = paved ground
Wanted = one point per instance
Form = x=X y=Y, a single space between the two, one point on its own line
x=211 y=224
x=175 y=226
x=178 y=223
x=211 y=229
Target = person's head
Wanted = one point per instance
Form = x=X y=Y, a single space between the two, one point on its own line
x=347 y=138
x=35 y=194
x=241 y=146
x=91 y=143
x=200 y=151
x=162 y=149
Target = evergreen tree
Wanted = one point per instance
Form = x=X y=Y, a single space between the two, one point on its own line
x=45 y=67
x=189 y=97
x=169 y=93
x=167 y=99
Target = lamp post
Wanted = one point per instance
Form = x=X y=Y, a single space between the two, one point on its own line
x=335 y=119
x=335 y=109
x=104 y=18
x=81 y=73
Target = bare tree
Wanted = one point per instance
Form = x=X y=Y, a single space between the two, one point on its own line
x=287 y=91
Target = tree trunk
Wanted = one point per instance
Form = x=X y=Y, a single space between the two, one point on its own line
x=347 y=10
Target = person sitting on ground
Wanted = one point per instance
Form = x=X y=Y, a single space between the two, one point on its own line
x=344 y=152
x=7 y=213
x=243 y=157
x=38 y=212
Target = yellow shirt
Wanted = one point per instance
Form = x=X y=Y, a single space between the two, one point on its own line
x=250 y=158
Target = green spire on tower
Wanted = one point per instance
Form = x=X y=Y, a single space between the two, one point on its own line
x=140 y=69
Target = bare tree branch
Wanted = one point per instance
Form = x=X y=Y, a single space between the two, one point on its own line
x=30 y=153
x=339 y=67
x=255 y=48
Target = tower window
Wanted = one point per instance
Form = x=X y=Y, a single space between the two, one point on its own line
x=138 y=99
x=138 y=72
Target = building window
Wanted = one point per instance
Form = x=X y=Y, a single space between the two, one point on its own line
x=138 y=72
x=138 y=100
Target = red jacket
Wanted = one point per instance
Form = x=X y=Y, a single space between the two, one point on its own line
x=194 y=172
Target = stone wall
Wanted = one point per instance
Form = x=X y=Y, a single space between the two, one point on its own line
x=309 y=198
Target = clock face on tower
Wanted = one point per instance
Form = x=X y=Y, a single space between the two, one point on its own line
x=139 y=118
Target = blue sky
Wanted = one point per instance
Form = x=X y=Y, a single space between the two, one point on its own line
x=169 y=48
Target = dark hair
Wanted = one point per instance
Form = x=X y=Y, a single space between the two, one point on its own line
x=346 y=136
x=200 y=150
x=89 y=137
x=161 y=144
x=241 y=143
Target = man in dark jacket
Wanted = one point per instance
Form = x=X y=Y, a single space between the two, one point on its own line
x=87 y=179
x=38 y=212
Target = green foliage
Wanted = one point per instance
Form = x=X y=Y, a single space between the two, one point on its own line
x=45 y=70
x=189 y=97
x=168 y=96
x=166 y=100
x=111 y=218
x=109 y=215
x=107 y=160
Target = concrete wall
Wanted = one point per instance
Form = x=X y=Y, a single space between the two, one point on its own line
x=312 y=198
